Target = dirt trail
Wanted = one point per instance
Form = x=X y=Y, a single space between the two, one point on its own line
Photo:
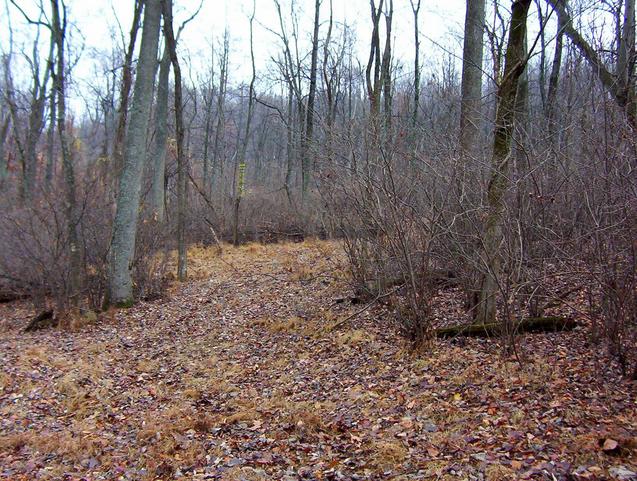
x=236 y=375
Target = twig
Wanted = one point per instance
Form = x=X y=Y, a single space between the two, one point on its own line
x=364 y=308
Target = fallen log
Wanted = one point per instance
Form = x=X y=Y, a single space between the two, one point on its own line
x=529 y=324
x=42 y=321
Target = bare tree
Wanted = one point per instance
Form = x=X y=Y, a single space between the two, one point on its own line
x=158 y=200
x=621 y=83
x=239 y=178
x=373 y=70
x=471 y=105
x=415 y=7
x=27 y=142
x=127 y=209
x=515 y=64
x=306 y=140
x=127 y=82
x=58 y=30
x=182 y=165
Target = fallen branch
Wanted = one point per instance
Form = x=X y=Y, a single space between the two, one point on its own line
x=529 y=324
x=363 y=309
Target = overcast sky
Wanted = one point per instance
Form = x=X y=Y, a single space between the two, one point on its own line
x=96 y=28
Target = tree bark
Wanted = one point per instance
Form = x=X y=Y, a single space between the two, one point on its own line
x=127 y=82
x=240 y=180
x=127 y=209
x=386 y=79
x=306 y=140
x=415 y=7
x=182 y=167
x=554 y=79
x=4 y=170
x=58 y=27
x=514 y=66
x=471 y=104
x=161 y=137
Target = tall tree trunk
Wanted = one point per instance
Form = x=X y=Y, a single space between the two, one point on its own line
x=373 y=82
x=208 y=101
x=386 y=69
x=127 y=82
x=542 y=70
x=50 y=142
x=240 y=180
x=4 y=170
x=289 y=151
x=158 y=200
x=217 y=162
x=415 y=7
x=329 y=78
x=126 y=215
x=554 y=78
x=75 y=249
x=626 y=61
x=471 y=104
x=306 y=140
x=514 y=66
x=182 y=167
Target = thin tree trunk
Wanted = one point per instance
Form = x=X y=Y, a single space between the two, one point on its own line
x=386 y=79
x=415 y=7
x=128 y=197
x=554 y=78
x=127 y=82
x=289 y=169
x=208 y=125
x=50 y=142
x=244 y=145
x=4 y=170
x=374 y=63
x=217 y=162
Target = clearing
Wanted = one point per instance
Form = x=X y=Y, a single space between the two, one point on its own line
x=236 y=375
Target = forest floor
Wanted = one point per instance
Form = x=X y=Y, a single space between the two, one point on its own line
x=237 y=375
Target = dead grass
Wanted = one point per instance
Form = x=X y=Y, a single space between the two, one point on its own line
x=74 y=446
x=354 y=337
x=5 y=381
x=292 y=325
x=497 y=472
x=388 y=453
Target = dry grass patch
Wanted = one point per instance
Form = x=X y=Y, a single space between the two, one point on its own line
x=354 y=337
x=308 y=417
x=388 y=453
x=253 y=248
x=73 y=446
x=246 y=473
x=497 y=472
x=292 y=325
x=5 y=381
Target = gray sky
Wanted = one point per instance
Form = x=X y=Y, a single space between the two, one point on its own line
x=441 y=23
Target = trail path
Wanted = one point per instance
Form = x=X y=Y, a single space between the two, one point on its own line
x=235 y=375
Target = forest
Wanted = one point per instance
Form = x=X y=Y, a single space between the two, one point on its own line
x=326 y=240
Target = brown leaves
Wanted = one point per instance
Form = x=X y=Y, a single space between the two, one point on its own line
x=206 y=385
